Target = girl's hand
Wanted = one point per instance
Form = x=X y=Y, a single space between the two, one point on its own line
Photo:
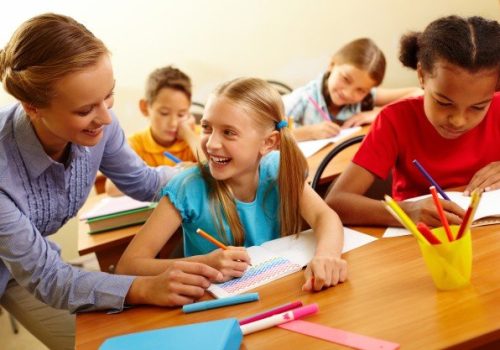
x=425 y=211
x=231 y=262
x=359 y=119
x=323 y=272
x=322 y=130
x=486 y=179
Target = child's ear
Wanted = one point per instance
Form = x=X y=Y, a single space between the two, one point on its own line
x=30 y=110
x=420 y=75
x=270 y=143
x=143 y=106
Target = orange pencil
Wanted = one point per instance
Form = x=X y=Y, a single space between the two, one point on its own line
x=441 y=213
x=210 y=239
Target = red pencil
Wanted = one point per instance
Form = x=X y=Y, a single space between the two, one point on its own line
x=469 y=214
x=427 y=233
x=442 y=216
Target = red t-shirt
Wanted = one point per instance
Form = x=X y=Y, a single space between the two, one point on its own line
x=402 y=133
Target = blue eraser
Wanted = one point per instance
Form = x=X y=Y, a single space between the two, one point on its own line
x=214 y=335
x=212 y=304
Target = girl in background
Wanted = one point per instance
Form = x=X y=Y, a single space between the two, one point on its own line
x=347 y=93
x=254 y=193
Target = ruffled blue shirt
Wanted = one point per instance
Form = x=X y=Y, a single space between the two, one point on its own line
x=189 y=193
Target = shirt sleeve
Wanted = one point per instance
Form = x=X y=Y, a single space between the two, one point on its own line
x=295 y=105
x=128 y=171
x=187 y=192
x=379 y=150
x=37 y=266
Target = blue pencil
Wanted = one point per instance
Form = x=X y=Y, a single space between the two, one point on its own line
x=431 y=180
x=172 y=157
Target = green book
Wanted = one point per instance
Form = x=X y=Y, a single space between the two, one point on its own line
x=119 y=219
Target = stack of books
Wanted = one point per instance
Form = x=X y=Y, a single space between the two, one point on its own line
x=115 y=212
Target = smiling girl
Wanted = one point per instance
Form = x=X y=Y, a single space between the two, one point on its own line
x=245 y=194
x=347 y=92
x=453 y=130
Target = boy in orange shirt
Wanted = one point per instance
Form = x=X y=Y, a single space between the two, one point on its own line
x=166 y=103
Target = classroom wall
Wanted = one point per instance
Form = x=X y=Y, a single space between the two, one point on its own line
x=217 y=40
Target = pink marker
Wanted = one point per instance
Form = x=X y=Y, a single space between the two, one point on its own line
x=319 y=109
x=274 y=311
x=279 y=319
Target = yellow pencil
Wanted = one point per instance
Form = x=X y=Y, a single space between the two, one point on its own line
x=404 y=219
x=210 y=239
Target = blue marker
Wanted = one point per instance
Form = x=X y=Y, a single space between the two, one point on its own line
x=213 y=304
x=172 y=157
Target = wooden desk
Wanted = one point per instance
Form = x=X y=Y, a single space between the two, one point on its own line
x=109 y=246
x=389 y=295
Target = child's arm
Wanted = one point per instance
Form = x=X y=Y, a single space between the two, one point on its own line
x=322 y=130
x=139 y=257
x=188 y=134
x=348 y=200
x=382 y=97
x=327 y=268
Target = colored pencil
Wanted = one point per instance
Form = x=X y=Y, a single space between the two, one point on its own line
x=210 y=239
x=427 y=233
x=430 y=179
x=319 y=109
x=404 y=219
x=172 y=157
x=441 y=213
x=469 y=214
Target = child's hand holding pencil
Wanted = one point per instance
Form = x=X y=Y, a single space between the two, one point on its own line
x=425 y=211
x=230 y=261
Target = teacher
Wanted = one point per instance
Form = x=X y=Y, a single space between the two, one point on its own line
x=53 y=141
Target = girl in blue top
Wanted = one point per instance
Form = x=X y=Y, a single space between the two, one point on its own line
x=245 y=194
x=347 y=93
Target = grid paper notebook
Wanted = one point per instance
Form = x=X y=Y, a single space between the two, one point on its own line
x=281 y=257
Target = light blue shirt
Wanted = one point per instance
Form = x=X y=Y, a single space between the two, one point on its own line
x=298 y=105
x=189 y=193
x=39 y=195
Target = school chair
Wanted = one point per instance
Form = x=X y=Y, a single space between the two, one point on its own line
x=196 y=111
x=13 y=322
x=282 y=88
x=377 y=190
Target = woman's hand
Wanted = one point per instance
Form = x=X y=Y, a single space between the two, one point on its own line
x=323 y=272
x=182 y=283
x=231 y=262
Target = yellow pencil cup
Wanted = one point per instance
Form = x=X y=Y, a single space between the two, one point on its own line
x=449 y=263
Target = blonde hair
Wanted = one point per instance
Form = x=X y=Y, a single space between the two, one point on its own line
x=263 y=103
x=43 y=50
x=363 y=54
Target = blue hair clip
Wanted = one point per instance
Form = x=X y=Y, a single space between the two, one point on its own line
x=282 y=124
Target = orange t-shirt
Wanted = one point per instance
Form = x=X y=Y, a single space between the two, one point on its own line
x=146 y=147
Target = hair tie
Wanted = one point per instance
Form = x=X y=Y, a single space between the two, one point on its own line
x=281 y=124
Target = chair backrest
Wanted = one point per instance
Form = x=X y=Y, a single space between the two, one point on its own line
x=196 y=110
x=376 y=190
x=282 y=88
x=335 y=150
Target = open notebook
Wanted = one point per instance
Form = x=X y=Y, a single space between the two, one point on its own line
x=487 y=213
x=313 y=146
x=281 y=257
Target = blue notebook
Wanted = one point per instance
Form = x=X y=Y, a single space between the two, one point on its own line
x=215 y=335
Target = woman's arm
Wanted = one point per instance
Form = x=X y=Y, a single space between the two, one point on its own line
x=326 y=268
